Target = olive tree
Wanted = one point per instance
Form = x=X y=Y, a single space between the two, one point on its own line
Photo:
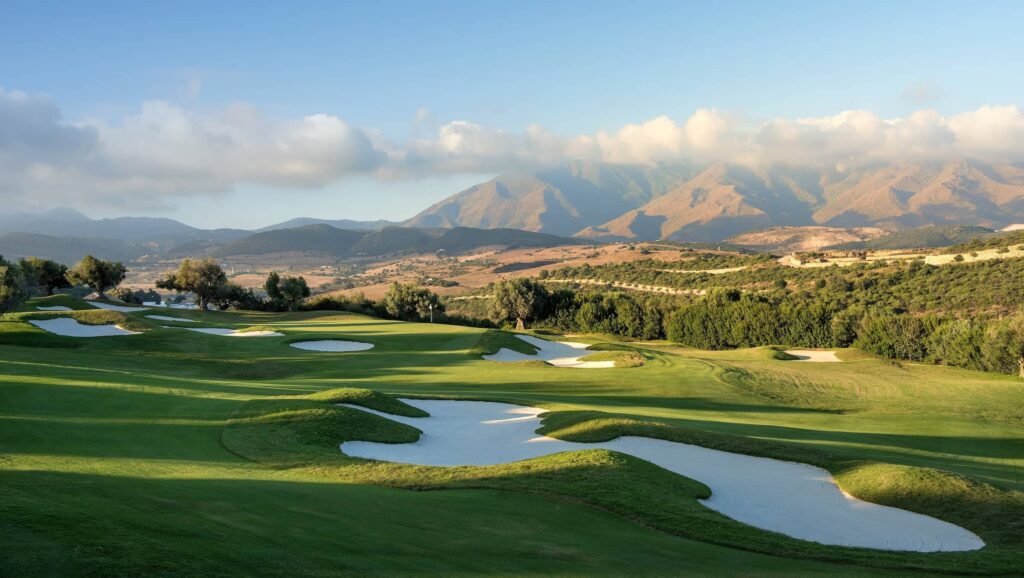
x=203 y=277
x=411 y=302
x=520 y=300
x=44 y=274
x=12 y=286
x=99 y=274
x=293 y=290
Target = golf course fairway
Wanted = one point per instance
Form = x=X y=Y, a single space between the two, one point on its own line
x=177 y=453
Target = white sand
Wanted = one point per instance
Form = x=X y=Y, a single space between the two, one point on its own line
x=814 y=355
x=109 y=307
x=557 y=353
x=232 y=332
x=173 y=305
x=794 y=499
x=72 y=328
x=166 y=318
x=332 y=345
x=54 y=308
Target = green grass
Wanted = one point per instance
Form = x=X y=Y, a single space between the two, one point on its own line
x=493 y=340
x=55 y=300
x=178 y=453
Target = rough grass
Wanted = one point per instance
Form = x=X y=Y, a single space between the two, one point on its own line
x=253 y=328
x=621 y=358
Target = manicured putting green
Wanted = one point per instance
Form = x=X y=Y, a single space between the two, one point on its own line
x=332 y=345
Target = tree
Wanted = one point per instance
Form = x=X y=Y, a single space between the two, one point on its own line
x=519 y=300
x=98 y=274
x=204 y=277
x=273 y=287
x=411 y=302
x=12 y=286
x=293 y=290
x=44 y=274
x=233 y=296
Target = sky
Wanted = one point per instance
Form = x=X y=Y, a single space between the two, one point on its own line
x=242 y=114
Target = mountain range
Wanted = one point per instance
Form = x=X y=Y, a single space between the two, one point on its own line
x=682 y=203
x=586 y=200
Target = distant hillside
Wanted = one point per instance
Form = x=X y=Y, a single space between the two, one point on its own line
x=920 y=238
x=462 y=239
x=393 y=240
x=154 y=233
x=320 y=238
x=799 y=239
x=336 y=223
x=341 y=243
x=1007 y=238
x=124 y=237
x=67 y=250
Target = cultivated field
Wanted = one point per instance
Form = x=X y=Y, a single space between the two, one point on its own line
x=174 y=452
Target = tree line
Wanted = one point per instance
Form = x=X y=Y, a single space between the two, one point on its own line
x=825 y=317
x=836 y=311
x=33 y=276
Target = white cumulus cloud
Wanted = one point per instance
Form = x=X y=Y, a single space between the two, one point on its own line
x=165 y=150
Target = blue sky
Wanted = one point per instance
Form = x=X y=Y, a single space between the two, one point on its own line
x=400 y=70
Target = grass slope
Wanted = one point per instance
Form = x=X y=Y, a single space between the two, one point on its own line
x=178 y=453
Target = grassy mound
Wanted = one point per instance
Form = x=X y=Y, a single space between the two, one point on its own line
x=368 y=398
x=55 y=301
x=15 y=328
x=492 y=340
x=254 y=328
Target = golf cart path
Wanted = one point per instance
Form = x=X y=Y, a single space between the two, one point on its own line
x=794 y=499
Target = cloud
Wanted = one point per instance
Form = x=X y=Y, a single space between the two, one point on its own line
x=164 y=150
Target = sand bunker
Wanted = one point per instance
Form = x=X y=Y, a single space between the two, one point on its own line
x=813 y=355
x=109 y=307
x=54 y=308
x=794 y=499
x=72 y=328
x=166 y=318
x=558 y=353
x=174 y=305
x=332 y=345
x=232 y=332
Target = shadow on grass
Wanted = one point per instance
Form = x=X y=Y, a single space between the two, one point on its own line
x=74 y=525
